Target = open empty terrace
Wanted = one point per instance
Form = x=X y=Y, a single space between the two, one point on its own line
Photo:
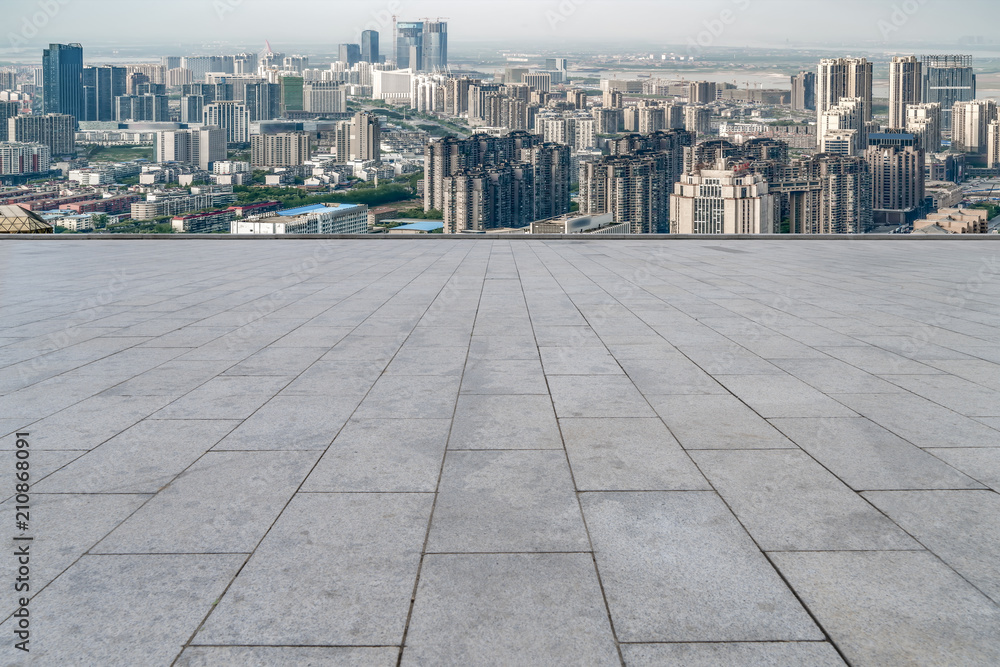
x=503 y=452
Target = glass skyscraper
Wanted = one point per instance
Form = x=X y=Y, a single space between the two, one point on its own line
x=409 y=42
x=947 y=80
x=369 y=46
x=435 y=46
x=62 y=66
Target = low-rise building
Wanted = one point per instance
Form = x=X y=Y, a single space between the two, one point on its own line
x=211 y=222
x=109 y=205
x=954 y=221
x=574 y=223
x=314 y=219
x=943 y=194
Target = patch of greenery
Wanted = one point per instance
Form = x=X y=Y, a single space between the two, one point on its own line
x=118 y=153
x=420 y=214
x=992 y=209
x=291 y=198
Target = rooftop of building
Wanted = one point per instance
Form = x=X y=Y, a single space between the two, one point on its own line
x=466 y=451
x=417 y=226
x=313 y=208
x=16 y=220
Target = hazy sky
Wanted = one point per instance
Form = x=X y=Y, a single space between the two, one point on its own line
x=541 y=23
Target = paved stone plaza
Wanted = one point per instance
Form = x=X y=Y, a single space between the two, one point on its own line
x=480 y=452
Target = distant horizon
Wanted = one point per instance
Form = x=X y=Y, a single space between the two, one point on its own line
x=549 y=25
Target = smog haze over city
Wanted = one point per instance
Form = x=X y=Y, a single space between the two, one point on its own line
x=537 y=24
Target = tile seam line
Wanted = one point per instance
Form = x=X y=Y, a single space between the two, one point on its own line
x=278 y=516
x=733 y=514
x=444 y=458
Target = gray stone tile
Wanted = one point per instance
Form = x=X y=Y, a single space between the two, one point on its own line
x=503 y=348
x=506 y=502
x=189 y=336
x=670 y=375
x=912 y=346
x=628 y=455
x=500 y=609
x=365 y=348
x=504 y=422
x=982 y=465
x=224 y=503
x=565 y=336
x=717 y=422
x=867 y=457
x=313 y=336
x=410 y=397
x=235 y=397
x=961 y=527
x=140 y=460
x=597 y=396
x=440 y=336
x=745 y=654
x=9 y=426
x=832 y=376
x=64 y=527
x=678 y=567
x=345 y=379
x=920 y=421
x=46 y=398
x=292 y=423
x=287 y=656
x=895 y=608
x=153 y=607
x=503 y=376
x=774 y=396
x=278 y=361
x=92 y=421
x=44 y=462
x=788 y=502
x=981 y=372
x=173 y=379
x=413 y=360
x=728 y=359
x=651 y=349
x=579 y=361
x=992 y=422
x=954 y=393
x=878 y=361
x=336 y=569
x=383 y=455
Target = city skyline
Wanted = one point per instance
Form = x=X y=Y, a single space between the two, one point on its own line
x=717 y=24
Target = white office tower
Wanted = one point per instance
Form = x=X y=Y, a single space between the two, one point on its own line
x=993 y=149
x=324 y=97
x=924 y=120
x=233 y=117
x=722 y=201
x=394 y=87
x=969 y=125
